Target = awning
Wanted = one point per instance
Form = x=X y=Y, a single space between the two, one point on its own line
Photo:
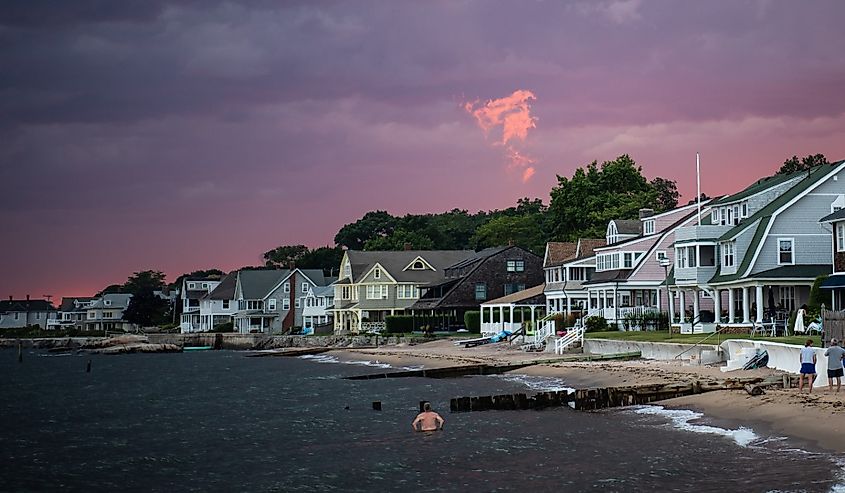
x=833 y=282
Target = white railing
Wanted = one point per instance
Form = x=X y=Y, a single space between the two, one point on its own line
x=372 y=326
x=572 y=336
x=496 y=327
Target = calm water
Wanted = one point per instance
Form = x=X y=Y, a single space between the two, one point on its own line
x=218 y=421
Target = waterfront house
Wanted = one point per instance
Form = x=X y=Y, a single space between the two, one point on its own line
x=512 y=311
x=630 y=271
x=72 y=313
x=106 y=313
x=193 y=290
x=316 y=307
x=836 y=281
x=373 y=285
x=491 y=273
x=270 y=301
x=567 y=265
x=23 y=313
x=219 y=306
x=758 y=252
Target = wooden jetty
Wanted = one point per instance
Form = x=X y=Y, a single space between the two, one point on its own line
x=607 y=397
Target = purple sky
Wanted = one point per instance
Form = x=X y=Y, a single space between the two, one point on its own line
x=176 y=136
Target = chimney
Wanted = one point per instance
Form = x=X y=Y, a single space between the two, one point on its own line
x=644 y=213
x=291 y=265
x=407 y=247
x=27 y=297
x=510 y=242
x=10 y=297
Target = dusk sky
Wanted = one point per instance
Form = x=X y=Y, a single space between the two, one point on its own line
x=184 y=135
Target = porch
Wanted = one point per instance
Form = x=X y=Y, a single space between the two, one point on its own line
x=513 y=311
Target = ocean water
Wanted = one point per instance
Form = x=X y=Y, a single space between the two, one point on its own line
x=219 y=421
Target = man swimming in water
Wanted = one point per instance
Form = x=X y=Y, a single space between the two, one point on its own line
x=428 y=420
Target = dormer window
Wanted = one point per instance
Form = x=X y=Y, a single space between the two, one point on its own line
x=418 y=265
x=107 y=302
x=377 y=274
x=714 y=216
x=648 y=227
x=744 y=206
x=612 y=233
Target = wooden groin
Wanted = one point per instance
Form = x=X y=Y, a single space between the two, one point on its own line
x=447 y=372
x=607 y=397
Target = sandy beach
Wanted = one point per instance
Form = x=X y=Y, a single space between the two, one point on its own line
x=816 y=420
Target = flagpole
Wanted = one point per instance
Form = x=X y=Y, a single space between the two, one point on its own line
x=698 y=185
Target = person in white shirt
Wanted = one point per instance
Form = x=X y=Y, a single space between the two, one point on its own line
x=808 y=366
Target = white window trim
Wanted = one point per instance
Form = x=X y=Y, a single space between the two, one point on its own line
x=285 y=304
x=271 y=304
x=840 y=238
x=648 y=227
x=660 y=254
x=777 y=245
x=286 y=287
x=305 y=287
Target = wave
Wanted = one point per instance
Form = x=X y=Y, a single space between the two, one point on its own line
x=681 y=419
x=323 y=358
x=537 y=383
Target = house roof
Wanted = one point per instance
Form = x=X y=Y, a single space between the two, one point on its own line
x=395 y=261
x=316 y=276
x=628 y=226
x=836 y=216
x=764 y=216
x=26 y=306
x=587 y=246
x=559 y=252
x=68 y=304
x=834 y=281
x=525 y=297
x=255 y=284
x=478 y=256
x=323 y=291
x=226 y=289
x=802 y=271
x=195 y=294
x=609 y=276
x=116 y=301
x=759 y=186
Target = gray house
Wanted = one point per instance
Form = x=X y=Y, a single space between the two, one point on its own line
x=72 y=313
x=22 y=313
x=759 y=251
x=106 y=313
x=271 y=301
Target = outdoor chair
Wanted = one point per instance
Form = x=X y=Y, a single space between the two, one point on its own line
x=815 y=325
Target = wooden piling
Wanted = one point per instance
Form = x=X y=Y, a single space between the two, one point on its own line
x=88 y=367
x=376 y=405
x=20 y=352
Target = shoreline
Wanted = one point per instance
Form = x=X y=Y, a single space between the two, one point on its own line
x=815 y=421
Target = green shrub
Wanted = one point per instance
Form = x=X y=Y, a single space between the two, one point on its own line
x=472 y=321
x=395 y=324
x=819 y=296
x=596 y=324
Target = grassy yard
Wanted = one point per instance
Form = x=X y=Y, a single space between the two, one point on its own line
x=664 y=336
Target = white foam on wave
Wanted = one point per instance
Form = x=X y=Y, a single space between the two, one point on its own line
x=537 y=383
x=839 y=487
x=681 y=419
x=323 y=358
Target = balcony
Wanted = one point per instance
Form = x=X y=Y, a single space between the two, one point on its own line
x=704 y=232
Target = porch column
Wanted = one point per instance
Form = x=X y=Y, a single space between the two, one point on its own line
x=568 y=305
x=671 y=304
x=511 y=310
x=682 y=310
x=746 y=306
x=501 y=317
x=758 y=295
x=717 y=305
x=731 y=303
x=532 y=318
x=589 y=301
x=696 y=308
x=659 y=298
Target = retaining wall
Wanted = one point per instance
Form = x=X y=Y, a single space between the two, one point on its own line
x=786 y=357
x=704 y=354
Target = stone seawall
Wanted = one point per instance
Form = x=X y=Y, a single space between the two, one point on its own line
x=227 y=341
x=703 y=354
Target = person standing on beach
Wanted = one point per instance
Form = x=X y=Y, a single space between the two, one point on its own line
x=428 y=420
x=835 y=356
x=808 y=366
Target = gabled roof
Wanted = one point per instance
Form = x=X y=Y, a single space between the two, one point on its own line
x=763 y=218
x=557 y=252
x=758 y=186
x=395 y=261
x=116 y=301
x=836 y=216
x=255 y=284
x=587 y=246
x=478 y=257
x=326 y=291
x=800 y=271
x=26 y=306
x=68 y=304
x=628 y=226
x=226 y=289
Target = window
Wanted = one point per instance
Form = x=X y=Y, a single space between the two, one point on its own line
x=728 y=254
x=577 y=274
x=736 y=214
x=418 y=265
x=840 y=237
x=628 y=260
x=107 y=302
x=785 y=251
x=377 y=274
x=225 y=304
x=192 y=285
x=745 y=209
x=406 y=292
x=285 y=304
x=681 y=257
x=692 y=259
x=648 y=227
x=297 y=303
x=107 y=314
x=729 y=215
x=346 y=292
x=271 y=304
x=707 y=255
x=305 y=287
x=714 y=216
x=612 y=232
x=660 y=255
x=376 y=292
x=516 y=265
x=38 y=316
x=286 y=287
x=480 y=291
x=786 y=297
x=205 y=285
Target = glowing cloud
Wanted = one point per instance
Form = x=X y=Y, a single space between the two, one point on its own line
x=513 y=114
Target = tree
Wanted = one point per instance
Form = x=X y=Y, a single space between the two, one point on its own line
x=110 y=289
x=524 y=231
x=583 y=205
x=285 y=255
x=146 y=309
x=148 y=280
x=326 y=258
x=198 y=274
x=397 y=241
x=373 y=225
x=793 y=165
x=667 y=193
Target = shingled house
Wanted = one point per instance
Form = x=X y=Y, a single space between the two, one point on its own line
x=21 y=313
x=489 y=274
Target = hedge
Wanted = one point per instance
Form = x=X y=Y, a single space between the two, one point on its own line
x=472 y=321
x=395 y=324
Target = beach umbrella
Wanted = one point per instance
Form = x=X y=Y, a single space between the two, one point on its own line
x=772 y=307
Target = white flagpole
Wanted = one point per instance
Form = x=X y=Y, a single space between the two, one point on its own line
x=698 y=185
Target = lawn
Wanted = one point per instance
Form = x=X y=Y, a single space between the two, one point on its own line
x=664 y=336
